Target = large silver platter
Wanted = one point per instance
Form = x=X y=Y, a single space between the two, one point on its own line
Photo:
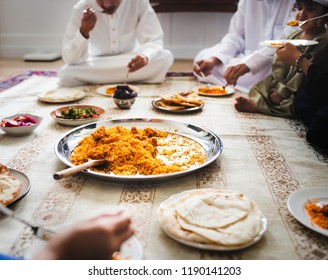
x=209 y=140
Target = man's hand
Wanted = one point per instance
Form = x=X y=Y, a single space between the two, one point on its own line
x=232 y=74
x=137 y=62
x=206 y=66
x=88 y=23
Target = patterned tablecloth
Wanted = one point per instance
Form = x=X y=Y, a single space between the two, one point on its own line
x=264 y=157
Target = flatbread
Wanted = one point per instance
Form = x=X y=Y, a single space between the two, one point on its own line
x=207 y=216
x=212 y=210
x=10 y=187
x=61 y=95
x=238 y=233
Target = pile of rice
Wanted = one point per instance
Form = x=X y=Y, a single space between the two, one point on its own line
x=135 y=151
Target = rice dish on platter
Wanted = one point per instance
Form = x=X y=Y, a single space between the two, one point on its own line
x=138 y=151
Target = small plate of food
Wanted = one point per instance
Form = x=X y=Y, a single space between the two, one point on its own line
x=14 y=185
x=310 y=208
x=76 y=115
x=280 y=43
x=182 y=102
x=215 y=91
x=109 y=90
x=20 y=124
x=61 y=95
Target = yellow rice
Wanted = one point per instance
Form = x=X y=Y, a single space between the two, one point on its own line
x=128 y=151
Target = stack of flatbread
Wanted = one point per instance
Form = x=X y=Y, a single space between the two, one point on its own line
x=61 y=95
x=210 y=216
x=9 y=186
x=181 y=100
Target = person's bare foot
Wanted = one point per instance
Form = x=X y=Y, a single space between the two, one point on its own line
x=243 y=104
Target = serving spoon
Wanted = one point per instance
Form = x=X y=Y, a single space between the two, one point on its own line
x=77 y=168
x=302 y=22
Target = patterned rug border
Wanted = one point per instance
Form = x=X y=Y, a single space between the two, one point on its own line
x=16 y=79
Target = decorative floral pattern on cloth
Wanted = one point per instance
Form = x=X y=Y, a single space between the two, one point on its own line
x=266 y=158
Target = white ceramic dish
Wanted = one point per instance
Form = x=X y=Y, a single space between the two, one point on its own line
x=26 y=184
x=61 y=95
x=213 y=247
x=296 y=42
x=102 y=90
x=76 y=122
x=21 y=130
x=230 y=91
x=296 y=206
x=131 y=249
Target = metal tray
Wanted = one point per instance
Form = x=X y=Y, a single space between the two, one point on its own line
x=209 y=140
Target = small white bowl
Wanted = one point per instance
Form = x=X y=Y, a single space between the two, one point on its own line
x=124 y=103
x=21 y=130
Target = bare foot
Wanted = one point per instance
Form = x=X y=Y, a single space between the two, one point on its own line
x=243 y=104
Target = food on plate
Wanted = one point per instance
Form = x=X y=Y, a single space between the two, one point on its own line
x=124 y=92
x=76 y=113
x=293 y=22
x=10 y=187
x=182 y=100
x=277 y=44
x=110 y=90
x=212 y=90
x=18 y=121
x=61 y=95
x=138 y=151
x=211 y=216
x=317 y=213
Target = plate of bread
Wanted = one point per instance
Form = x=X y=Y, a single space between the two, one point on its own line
x=212 y=219
x=61 y=95
x=182 y=102
x=14 y=185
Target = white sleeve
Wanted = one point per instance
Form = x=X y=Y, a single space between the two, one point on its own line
x=149 y=31
x=75 y=46
x=233 y=42
x=261 y=57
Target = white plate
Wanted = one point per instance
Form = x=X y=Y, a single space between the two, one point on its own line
x=77 y=122
x=296 y=42
x=230 y=91
x=213 y=247
x=158 y=106
x=297 y=201
x=102 y=90
x=26 y=183
x=131 y=249
x=61 y=95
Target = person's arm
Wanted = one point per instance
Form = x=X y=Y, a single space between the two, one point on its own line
x=75 y=44
x=93 y=239
x=149 y=31
x=233 y=42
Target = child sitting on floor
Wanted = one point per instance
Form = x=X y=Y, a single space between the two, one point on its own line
x=275 y=94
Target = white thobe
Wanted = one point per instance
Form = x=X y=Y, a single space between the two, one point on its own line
x=253 y=22
x=133 y=29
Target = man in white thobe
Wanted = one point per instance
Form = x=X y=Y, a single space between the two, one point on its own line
x=239 y=59
x=113 y=41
